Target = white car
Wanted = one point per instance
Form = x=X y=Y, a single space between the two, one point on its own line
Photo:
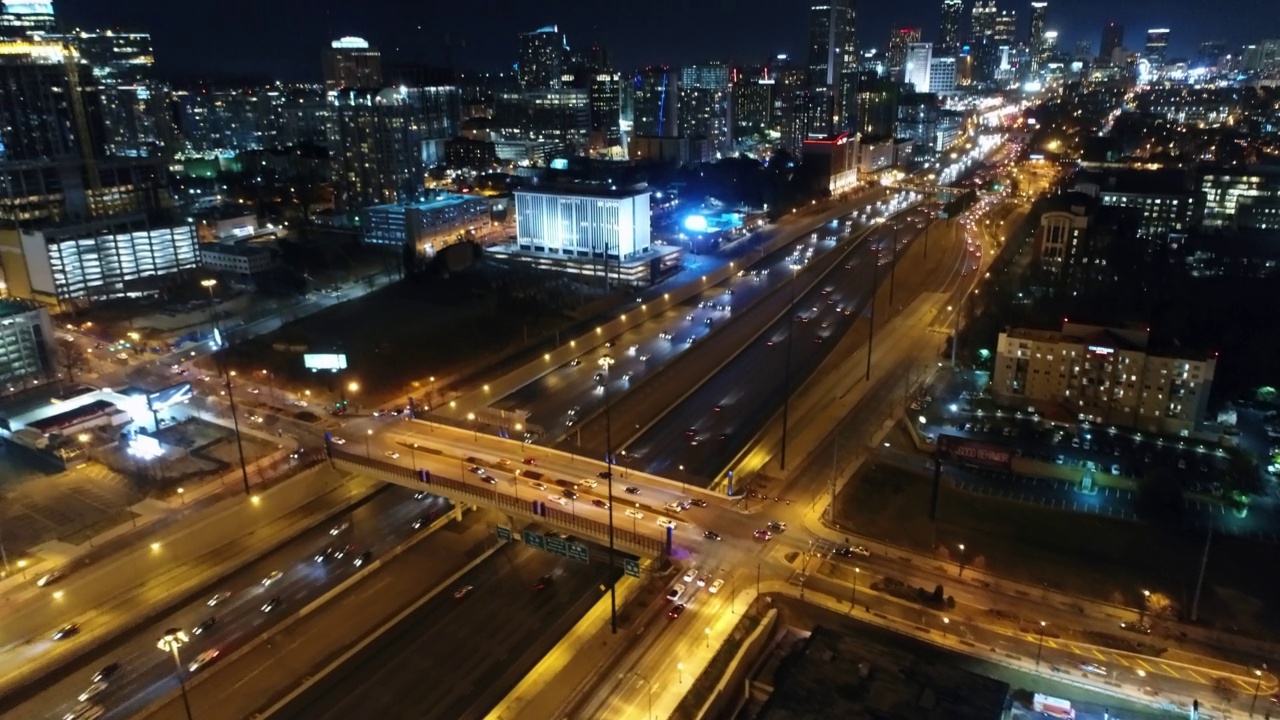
x=537 y=485
x=689 y=576
x=92 y=691
x=588 y=483
x=300 y=403
x=339 y=528
x=202 y=659
x=667 y=523
x=702 y=579
x=85 y=712
x=675 y=507
x=557 y=499
x=715 y=586
x=392 y=454
x=337 y=440
x=274 y=576
x=675 y=592
x=631 y=513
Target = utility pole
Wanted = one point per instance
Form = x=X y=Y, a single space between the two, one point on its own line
x=786 y=373
x=893 y=264
x=1204 y=562
x=871 y=329
x=606 y=362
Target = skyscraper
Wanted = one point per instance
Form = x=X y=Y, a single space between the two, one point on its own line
x=1157 y=45
x=704 y=103
x=948 y=44
x=656 y=102
x=543 y=56
x=350 y=62
x=1112 y=40
x=1006 y=28
x=899 y=40
x=833 y=64
x=916 y=65
x=1036 y=37
x=23 y=17
x=982 y=30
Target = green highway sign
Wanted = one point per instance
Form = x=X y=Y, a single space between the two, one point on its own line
x=557 y=545
x=579 y=552
x=631 y=567
x=533 y=539
x=504 y=533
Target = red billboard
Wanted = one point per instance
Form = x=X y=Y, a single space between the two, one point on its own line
x=965 y=450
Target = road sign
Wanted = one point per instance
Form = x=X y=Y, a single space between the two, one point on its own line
x=579 y=552
x=631 y=567
x=504 y=533
x=533 y=539
x=557 y=545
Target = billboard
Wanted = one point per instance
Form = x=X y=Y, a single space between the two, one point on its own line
x=168 y=397
x=332 y=362
x=974 y=452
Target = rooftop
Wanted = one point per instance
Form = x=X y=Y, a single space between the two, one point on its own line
x=1140 y=182
x=14 y=306
x=435 y=202
x=601 y=190
x=844 y=676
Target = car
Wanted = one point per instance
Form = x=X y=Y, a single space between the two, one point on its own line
x=666 y=523
x=676 y=610
x=325 y=555
x=299 y=403
x=557 y=499
x=538 y=485
x=206 y=624
x=675 y=592
x=860 y=550
x=600 y=503
x=675 y=506
x=49 y=578
x=476 y=469
x=695 y=501
x=575 y=362
x=691 y=574
x=711 y=535
x=107 y=672
x=92 y=691
x=691 y=340
x=344 y=551
x=419 y=523
x=271 y=604
x=1136 y=627
x=631 y=490
x=643 y=357
x=85 y=711
x=1092 y=668
x=274 y=576
x=592 y=483
x=703 y=579
x=543 y=582
x=571 y=494
x=203 y=659
x=392 y=454
x=764 y=535
x=339 y=528
x=715 y=586
x=463 y=591
x=633 y=513
x=420 y=495
x=218 y=598
x=337 y=440
x=775 y=526
x=66 y=631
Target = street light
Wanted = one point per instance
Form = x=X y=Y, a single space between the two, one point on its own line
x=707 y=632
x=786 y=372
x=173 y=639
x=475 y=432
x=680 y=673
x=650 y=686
x=961 y=573
x=946 y=621
x=1040 y=646
x=606 y=362
x=368 y=436
x=1257 y=684
x=853 y=602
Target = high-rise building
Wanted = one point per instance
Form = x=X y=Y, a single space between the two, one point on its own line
x=1157 y=45
x=916 y=66
x=1036 y=39
x=949 y=35
x=350 y=62
x=983 y=46
x=19 y=18
x=1112 y=40
x=1211 y=54
x=704 y=104
x=656 y=103
x=833 y=66
x=877 y=107
x=1006 y=28
x=379 y=138
x=544 y=55
x=942 y=75
x=121 y=63
x=899 y=40
x=26 y=336
x=751 y=92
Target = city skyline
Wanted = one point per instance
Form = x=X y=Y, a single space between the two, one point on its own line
x=634 y=36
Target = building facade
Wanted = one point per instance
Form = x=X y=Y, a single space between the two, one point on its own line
x=350 y=62
x=427 y=226
x=917 y=65
x=239 y=259
x=949 y=27
x=584 y=222
x=26 y=337
x=544 y=56
x=1106 y=376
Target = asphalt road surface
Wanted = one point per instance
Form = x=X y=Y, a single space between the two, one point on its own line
x=456 y=658
x=147 y=673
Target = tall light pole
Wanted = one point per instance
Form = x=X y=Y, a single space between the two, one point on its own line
x=475 y=432
x=1256 y=685
x=961 y=573
x=871 y=328
x=1040 y=646
x=853 y=602
x=367 y=437
x=221 y=363
x=650 y=686
x=893 y=263
x=786 y=373
x=170 y=642
x=606 y=362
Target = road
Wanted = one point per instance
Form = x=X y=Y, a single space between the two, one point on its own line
x=378 y=525
x=493 y=636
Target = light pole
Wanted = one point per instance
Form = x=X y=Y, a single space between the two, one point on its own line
x=1040 y=646
x=413 y=457
x=707 y=632
x=220 y=362
x=786 y=373
x=946 y=622
x=680 y=673
x=368 y=436
x=648 y=685
x=871 y=328
x=1256 y=685
x=606 y=362
x=961 y=573
x=1142 y=611
x=475 y=432
x=173 y=639
x=853 y=602
x=209 y=285
x=893 y=263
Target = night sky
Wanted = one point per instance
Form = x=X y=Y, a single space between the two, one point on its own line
x=284 y=38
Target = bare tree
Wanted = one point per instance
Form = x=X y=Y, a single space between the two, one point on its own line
x=70 y=358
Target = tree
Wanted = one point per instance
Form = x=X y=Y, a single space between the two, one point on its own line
x=1241 y=473
x=70 y=357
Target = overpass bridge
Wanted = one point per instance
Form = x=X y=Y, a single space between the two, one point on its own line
x=530 y=510
x=944 y=193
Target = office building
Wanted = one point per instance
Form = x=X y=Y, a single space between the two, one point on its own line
x=471 y=154
x=1163 y=199
x=1212 y=54
x=350 y=62
x=1106 y=376
x=380 y=139
x=918 y=121
x=67 y=266
x=1112 y=40
x=1157 y=46
x=916 y=66
x=1006 y=28
x=26 y=337
x=1038 y=40
x=942 y=75
x=875 y=154
x=833 y=67
x=1233 y=196
x=544 y=57
x=751 y=102
x=900 y=39
x=877 y=107
x=983 y=46
x=561 y=115
x=704 y=104
x=237 y=258
x=604 y=96
x=426 y=226
x=20 y=18
x=949 y=26
x=121 y=64
x=831 y=164
x=656 y=102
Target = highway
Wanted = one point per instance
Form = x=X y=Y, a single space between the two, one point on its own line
x=147 y=674
x=455 y=659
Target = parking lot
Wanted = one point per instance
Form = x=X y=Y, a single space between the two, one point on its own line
x=39 y=507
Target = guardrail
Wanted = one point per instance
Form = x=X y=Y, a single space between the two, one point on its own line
x=533 y=510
